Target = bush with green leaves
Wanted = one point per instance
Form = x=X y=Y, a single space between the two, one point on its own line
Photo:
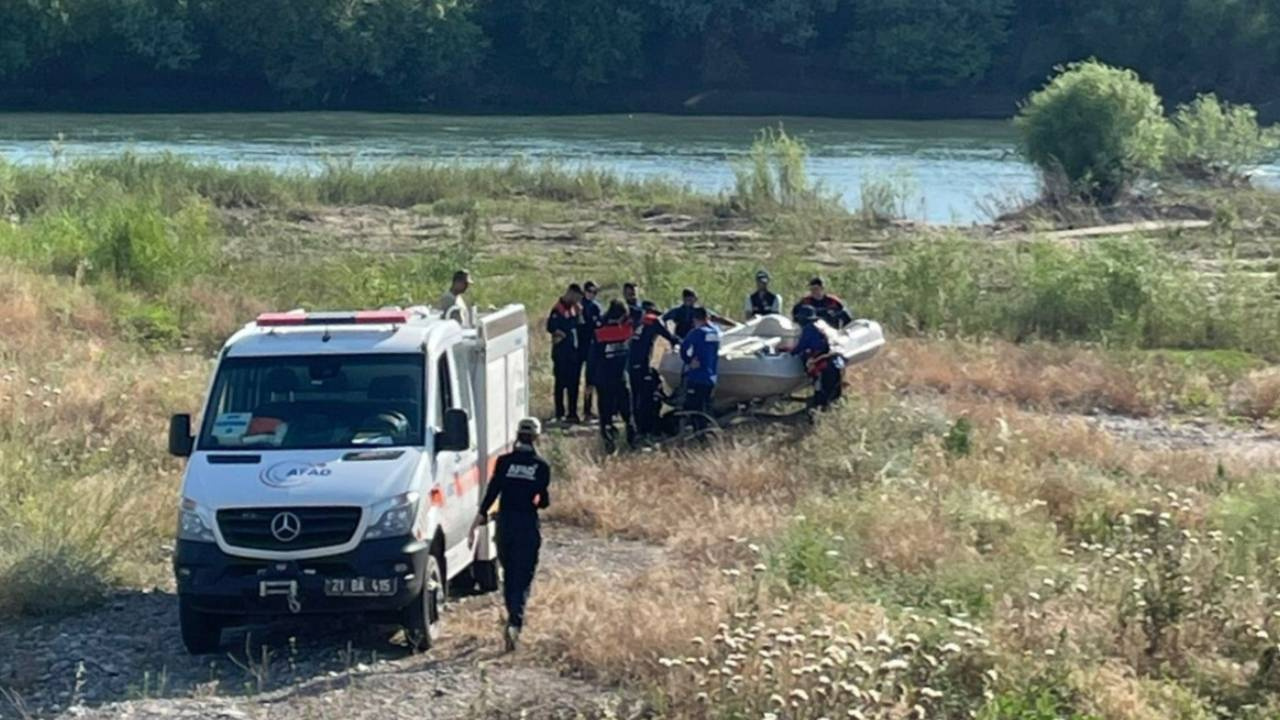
x=1215 y=140
x=1098 y=127
x=773 y=177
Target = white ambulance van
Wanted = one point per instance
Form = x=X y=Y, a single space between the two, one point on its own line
x=338 y=464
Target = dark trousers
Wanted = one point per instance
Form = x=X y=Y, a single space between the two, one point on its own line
x=589 y=381
x=828 y=386
x=568 y=372
x=697 y=399
x=615 y=399
x=518 y=544
x=644 y=406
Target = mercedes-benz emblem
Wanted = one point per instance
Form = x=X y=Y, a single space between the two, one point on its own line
x=286 y=527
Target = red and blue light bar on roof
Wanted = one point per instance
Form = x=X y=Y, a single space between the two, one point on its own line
x=362 y=317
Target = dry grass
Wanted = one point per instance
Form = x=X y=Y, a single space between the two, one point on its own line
x=82 y=416
x=1043 y=377
x=1258 y=395
x=1136 y=578
x=702 y=499
x=1075 y=378
x=619 y=636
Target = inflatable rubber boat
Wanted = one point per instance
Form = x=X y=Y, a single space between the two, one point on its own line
x=755 y=359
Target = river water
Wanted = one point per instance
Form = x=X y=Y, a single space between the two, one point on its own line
x=951 y=171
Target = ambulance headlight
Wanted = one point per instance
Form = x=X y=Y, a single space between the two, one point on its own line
x=191 y=523
x=395 y=517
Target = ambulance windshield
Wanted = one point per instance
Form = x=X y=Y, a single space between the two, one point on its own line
x=315 y=402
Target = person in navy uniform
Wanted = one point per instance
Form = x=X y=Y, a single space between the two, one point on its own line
x=700 y=351
x=763 y=301
x=828 y=307
x=825 y=367
x=641 y=376
x=682 y=314
x=591 y=312
x=522 y=480
x=635 y=306
x=611 y=347
x=563 y=325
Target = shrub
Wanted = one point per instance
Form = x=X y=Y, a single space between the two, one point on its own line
x=887 y=197
x=133 y=240
x=53 y=578
x=1098 y=125
x=928 y=286
x=1122 y=290
x=774 y=176
x=1219 y=141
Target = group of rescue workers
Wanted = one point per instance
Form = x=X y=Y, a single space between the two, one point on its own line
x=615 y=344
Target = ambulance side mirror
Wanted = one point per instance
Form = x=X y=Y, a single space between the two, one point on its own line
x=456 y=435
x=180 y=440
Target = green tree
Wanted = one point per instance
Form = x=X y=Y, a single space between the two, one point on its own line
x=318 y=51
x=585 y=43
x=159 y=30
x=915 y=43
x=30 y=30
x=1097 y=125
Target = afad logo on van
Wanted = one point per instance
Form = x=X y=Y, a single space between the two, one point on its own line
x=291 y=473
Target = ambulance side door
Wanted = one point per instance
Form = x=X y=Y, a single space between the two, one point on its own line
x=456 y=471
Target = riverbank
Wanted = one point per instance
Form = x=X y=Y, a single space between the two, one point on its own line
x=984 y=527
x=858 y=105
x=164 y=228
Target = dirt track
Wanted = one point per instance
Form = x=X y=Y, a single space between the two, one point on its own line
x=125 y=660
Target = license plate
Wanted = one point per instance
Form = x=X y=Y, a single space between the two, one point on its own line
x=359 y=587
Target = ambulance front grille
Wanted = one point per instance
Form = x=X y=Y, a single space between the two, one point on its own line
x=304 y=528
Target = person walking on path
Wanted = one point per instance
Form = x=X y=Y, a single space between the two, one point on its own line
x=521 y=479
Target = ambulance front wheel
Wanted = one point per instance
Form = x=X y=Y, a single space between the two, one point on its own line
x=201 y=631
x=422 y=617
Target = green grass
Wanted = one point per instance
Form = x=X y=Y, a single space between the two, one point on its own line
x=26 y=190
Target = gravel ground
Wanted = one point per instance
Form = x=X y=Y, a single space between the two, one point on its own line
x=1257 y=443
x=125 y=659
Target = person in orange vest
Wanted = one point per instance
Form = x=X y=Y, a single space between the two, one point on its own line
x=828 y=307
x=644 y=382
x=611 y=347
x=563 y=325
x=824 y=366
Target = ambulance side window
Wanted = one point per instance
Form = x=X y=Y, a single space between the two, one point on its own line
x=444 y=382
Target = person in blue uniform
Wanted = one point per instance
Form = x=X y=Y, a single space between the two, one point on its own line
x=522 y=480
x=643 y=379
x=611 y=346
x=563 y=325
x=591 y=312
x=700 y=351
x=829 y=308
x=825 y=367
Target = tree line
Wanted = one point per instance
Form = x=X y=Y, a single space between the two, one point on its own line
x=510 y=53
